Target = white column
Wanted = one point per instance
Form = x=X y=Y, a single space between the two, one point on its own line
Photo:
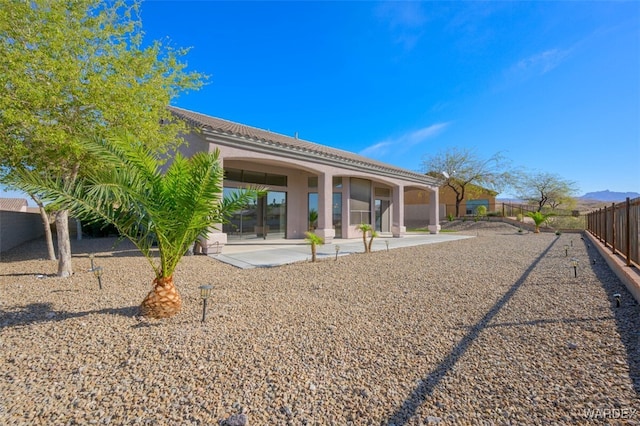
x=397 y=226
x=434 y=211
x=325 y=212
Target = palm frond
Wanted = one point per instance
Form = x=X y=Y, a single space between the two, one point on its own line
x=129 y=190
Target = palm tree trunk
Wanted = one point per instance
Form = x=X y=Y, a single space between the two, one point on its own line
x=364 y=241
x=163 y=301
x=313 y=252
x=47 y=230
x=64 y=245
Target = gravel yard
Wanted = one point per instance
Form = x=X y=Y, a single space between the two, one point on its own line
x=488 y=330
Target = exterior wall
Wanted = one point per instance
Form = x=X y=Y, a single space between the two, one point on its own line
x=18 y=227
x=298 y=171
x=416 y=201
x=416 y=215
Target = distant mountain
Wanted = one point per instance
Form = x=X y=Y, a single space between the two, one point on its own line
x=607 y=195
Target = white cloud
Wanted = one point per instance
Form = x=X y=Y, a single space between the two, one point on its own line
x=532 y=66
x=405 y=19
x=541 y=63
x=404 y=142
x=405 y=14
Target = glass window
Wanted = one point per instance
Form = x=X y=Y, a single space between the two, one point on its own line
x=234 y=175
x=382 y=192
x=276 y=180
x=254 y=177
x=248 y=176
x=337 y=182
x=313 y=210
x=313 y=182
x=360 y=202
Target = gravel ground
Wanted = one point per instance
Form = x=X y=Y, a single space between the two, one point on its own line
x=487 y=330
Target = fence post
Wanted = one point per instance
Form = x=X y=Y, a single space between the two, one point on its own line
x=604 y=226
x=613 y=228
x=628 y=248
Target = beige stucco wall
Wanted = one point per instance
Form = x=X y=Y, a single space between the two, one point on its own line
x=298 y=171
x=416 y=197
x=18 y=227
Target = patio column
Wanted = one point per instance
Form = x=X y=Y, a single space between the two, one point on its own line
x=325 y=212
x=434 y=211
x=213 y=242
x=397 y=226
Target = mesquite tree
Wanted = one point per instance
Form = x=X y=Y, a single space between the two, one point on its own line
x=73 y=70
x=464 y=171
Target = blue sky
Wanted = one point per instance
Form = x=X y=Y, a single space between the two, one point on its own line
x=554 y=86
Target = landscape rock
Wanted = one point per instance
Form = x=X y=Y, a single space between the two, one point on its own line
x=491 y=329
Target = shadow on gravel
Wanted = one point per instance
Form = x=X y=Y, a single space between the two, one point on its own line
x=102 y=247
x=627 y=316
x=547 y=321
x=29 y=274
x=419 y=395
x=43 y=312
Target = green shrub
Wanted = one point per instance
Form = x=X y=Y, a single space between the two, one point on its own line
x=313 y=240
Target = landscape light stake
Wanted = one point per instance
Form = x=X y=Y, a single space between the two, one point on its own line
x=617 y=297
x=91 y=256
x=387 y=243
x=98 y=273
x=574 y=263
x=566 y=250
x=205 y=292
x=337 y=250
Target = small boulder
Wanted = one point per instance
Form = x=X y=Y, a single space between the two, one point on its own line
x=236 y=420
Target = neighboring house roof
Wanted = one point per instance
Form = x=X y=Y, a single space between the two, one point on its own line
x=254 y=139
x=13 y=204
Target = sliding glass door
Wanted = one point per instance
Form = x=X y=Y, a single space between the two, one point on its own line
x=263 y=217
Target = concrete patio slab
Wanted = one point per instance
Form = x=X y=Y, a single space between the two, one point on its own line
x=270 y=253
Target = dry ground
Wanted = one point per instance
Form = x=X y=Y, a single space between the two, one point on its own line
x=488 y=330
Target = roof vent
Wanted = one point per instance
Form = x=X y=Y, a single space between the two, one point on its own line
x=296 y=135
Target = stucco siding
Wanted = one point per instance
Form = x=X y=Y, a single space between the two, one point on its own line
x=416 y=215
x=18 y=227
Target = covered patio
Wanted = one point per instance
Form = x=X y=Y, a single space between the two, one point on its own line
x=308 y=186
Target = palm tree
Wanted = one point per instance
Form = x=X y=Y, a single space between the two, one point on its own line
x=371 y=237
x=147 y=206
x=364 y=228
x=314 y=240
x=538 y=218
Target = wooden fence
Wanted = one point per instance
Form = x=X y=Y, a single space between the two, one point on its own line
x=618 y=227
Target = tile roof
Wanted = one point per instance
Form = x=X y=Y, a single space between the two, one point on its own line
x=13 y=204
x=294 y=144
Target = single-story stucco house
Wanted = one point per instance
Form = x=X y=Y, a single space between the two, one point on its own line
x=309 y=186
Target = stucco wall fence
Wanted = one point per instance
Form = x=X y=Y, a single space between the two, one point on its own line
x=18 y=227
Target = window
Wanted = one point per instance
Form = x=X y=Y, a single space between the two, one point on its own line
x=248 y=176
x=382 y=192
x=360 y=201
